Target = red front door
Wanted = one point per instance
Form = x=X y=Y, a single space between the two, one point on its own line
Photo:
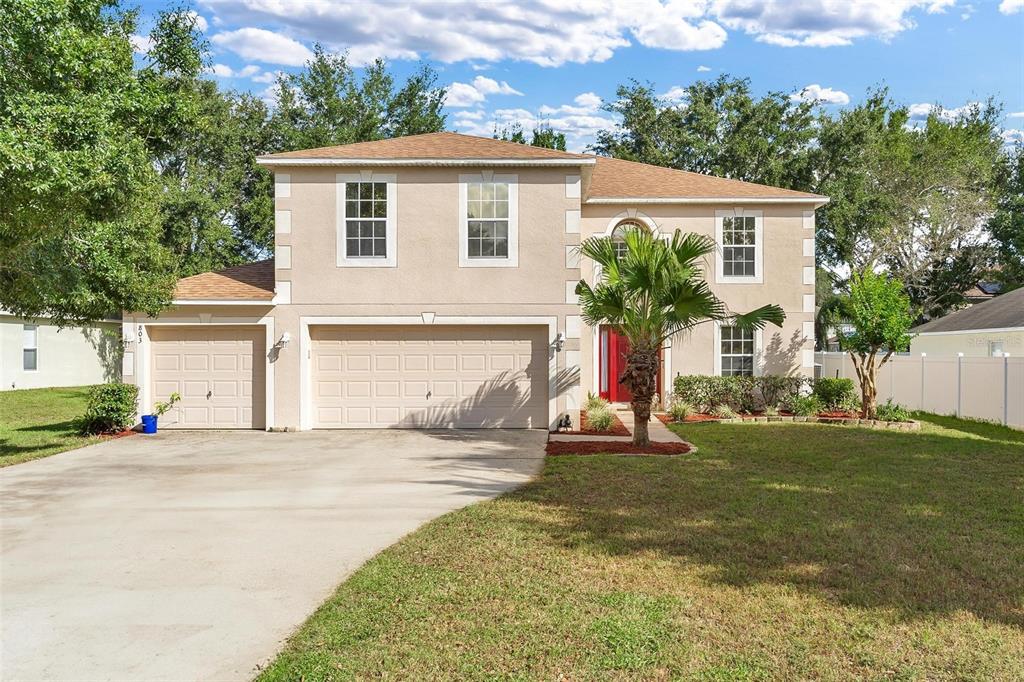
x=613 y=348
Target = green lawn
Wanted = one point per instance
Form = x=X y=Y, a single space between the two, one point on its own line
x=36 y=422
x=779 y=551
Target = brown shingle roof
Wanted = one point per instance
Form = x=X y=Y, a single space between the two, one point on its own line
x=620 y=178
x=254 y=282
x=1001 y=312
x=430 y=146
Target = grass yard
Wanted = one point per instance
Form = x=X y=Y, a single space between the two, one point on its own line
x=36 y=422
x=779 y=551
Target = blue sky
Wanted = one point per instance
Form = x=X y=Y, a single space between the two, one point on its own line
x=555 y=60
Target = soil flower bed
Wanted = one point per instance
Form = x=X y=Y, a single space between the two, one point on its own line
x=594 y=447
x=617 y=428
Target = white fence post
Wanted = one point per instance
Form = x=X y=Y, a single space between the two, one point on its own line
x=1006 y=389
x=959 y=381
x=923 y=356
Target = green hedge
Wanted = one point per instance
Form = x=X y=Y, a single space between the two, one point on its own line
x=836 y=393
x=741 y=393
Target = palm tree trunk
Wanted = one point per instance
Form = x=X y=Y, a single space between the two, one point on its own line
x=640 y=376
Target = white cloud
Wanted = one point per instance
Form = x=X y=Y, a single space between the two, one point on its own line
x=703 y=69
x=264 y=46
x=1016 y=114
x=1012 y=136
x=267 y=77
x=675 y=94
x=821 y=23
x=200 y=21
x=816 y=93
x=588 y=100
x=141 y=44
x=921 y=111
x=471 y=94
x=225 y=71
x=1011 y=6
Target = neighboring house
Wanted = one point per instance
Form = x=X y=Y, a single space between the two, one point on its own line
x=987 y=329
x=982 y=291
x=37 y=354
x=430 y=281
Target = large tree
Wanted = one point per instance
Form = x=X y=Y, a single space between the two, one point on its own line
x=652 y=292
x=79 y=220
x=542 y=136
x=718 y=127
x=911 y=199
x=1007 y=224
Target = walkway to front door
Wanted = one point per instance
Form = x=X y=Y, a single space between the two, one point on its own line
x=613 y=350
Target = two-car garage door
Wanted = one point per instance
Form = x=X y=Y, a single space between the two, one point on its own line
x=429 y=376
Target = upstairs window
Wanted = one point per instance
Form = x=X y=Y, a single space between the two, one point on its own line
x=739 y=257
x=366 y=220
x=29 y=347
x=619 y=236
x=488 y=221
x=487 y=213
x=736 y=349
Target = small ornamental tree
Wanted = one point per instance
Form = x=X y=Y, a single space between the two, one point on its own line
x=653 y=291
x=878 y=309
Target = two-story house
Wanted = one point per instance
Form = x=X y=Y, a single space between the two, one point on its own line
x=429 y=281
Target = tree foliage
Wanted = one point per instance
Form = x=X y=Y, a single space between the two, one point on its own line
x=879 y=311
x=542 y=136
x=79 y=228
x=1007 y=223
x=653 y=291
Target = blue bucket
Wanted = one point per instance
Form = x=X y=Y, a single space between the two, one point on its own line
x=149 y=423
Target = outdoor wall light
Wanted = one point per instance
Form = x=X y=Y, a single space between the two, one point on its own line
x=559 y=342
x=283 y=341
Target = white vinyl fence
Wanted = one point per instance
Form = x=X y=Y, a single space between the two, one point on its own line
x=977 y=387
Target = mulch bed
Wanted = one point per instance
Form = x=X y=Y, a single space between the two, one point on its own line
x=119 y=434
x=594 y=447
x=617 y=428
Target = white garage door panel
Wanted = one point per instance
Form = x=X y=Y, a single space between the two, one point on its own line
x=424 y=377
x=214 y=371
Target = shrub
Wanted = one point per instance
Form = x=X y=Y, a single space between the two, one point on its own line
x=745 y=393
x=594 y=402
x=892 y=412
x=850 y=404
x=679 y=410
x=771 y=411
x=111 y=408
x=600 y=419
x=779 y=390
x=723 y=412
x=807 y=405
x=834 y=393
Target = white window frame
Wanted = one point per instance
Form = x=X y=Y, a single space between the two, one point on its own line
x=758 y=350
x=390 y=223
x=34 y=328
x=510 y=261
x=758 y=277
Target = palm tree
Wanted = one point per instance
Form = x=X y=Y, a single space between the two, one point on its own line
x=655 y=289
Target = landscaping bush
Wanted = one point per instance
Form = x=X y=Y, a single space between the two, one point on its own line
x=835 y=394
x=723 y=412
x=780 y=391
x=600 y=419
x=680 y=410
x=771 y=411
x=807 y=405
x=111 y=408
x=892 y=412
x=594 y=402
x=742 y=393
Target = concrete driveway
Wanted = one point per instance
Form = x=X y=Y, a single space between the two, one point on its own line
x=193 y=555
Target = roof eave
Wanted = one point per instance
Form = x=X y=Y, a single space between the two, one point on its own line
x=815 y=200
x=306 y=161
x=222 y=301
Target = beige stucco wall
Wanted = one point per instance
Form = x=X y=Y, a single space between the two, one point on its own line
x=73 y=356
x=429 y=282
x=970 y=344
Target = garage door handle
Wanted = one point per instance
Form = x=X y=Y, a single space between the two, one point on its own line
x=428 y=395
x=209 y=394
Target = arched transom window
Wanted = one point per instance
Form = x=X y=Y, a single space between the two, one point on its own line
x=619 y=235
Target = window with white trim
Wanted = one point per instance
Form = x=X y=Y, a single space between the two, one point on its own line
x=29 y=347
x=736 y=350
x=619 y=236
x=366 y=220
x=739 y=257
x=488 y=225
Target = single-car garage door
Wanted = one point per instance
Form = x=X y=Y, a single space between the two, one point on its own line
x=430 y=377
x=218 y=371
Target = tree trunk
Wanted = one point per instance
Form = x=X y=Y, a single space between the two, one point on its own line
x=864 y=365
x=640 y=376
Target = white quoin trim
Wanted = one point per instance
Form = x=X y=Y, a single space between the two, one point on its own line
x=306 y=347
